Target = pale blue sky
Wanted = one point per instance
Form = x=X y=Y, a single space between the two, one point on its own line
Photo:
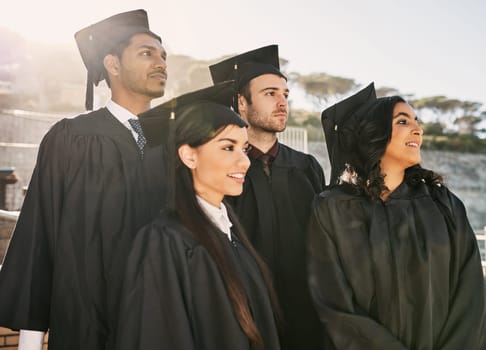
x=421 y=47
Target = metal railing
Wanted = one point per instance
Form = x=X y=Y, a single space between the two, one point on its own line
x=295 y=138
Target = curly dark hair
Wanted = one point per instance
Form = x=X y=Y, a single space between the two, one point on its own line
x=366 y=136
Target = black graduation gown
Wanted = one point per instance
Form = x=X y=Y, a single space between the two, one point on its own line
x=174 y=296
x=275 y=213
x=400 y=274
x=90 y=192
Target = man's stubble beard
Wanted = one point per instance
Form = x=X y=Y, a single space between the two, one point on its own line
x=264 y=123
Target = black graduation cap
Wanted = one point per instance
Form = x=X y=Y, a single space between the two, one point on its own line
x=211 y=105
x=334 y=118
x=243 y=68
x=97 y=40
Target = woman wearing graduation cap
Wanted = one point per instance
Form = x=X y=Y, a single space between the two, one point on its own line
x=393 y=261
x=193 y=280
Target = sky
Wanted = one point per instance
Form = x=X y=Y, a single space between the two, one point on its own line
x=420 y=47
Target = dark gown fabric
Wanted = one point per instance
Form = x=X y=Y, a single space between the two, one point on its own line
x=274 y=212
x=400 y=274
x=174 y=296
x=90 y=192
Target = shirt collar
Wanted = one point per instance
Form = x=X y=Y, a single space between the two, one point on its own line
x=255 y=153
x=219 y=216
x=120 y=113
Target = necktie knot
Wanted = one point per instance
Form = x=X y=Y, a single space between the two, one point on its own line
x=141 y=141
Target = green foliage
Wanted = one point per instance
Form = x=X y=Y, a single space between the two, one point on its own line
x=311 y=121
x=314 y=128
x=386 y=91
x=314 y=122
x=438 y=141
x=467 y=124
x=52 y=79
x=292 y=122
x=319 y=87
x=300 y=116
x=436 y=103
x=468 y=120
x=315 y=134
x=464 y=115
x=454 y=142
x=433 y=128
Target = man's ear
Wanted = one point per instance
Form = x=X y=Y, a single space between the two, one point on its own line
x=242 y=104
x=188 y=156
x=112 y=64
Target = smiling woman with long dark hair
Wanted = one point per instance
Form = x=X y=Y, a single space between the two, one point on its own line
x=193 y=279
x=393 y=261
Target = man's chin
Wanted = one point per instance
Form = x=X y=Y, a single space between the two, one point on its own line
x=157 y=94
x=275 y=130
x=281 y=128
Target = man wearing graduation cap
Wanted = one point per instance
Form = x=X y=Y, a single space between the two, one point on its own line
x=278 y=190
x=94 y=186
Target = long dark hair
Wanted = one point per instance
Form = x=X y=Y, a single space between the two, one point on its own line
x=367 y=136
x=196 y=132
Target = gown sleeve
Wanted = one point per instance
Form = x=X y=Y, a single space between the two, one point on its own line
x=154 y=304
x=462 y=329
x=347 y=326
x=25 y=278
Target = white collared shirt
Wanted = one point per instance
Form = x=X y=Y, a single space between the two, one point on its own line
x=122 y=115
x=219 y=216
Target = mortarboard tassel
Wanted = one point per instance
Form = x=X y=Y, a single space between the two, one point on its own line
x=171 y=155
x=89 y=92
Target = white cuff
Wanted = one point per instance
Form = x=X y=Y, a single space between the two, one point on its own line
x=30 y=340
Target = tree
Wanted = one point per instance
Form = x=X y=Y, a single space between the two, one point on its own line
x=442 y=108
x=433 y=129
x=466 y=124
x=320 y=87
x=386 y=91
x=469 y=117
x=453 y=114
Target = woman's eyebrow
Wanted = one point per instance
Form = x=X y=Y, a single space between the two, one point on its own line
x=226 y=139
x=401 y=113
